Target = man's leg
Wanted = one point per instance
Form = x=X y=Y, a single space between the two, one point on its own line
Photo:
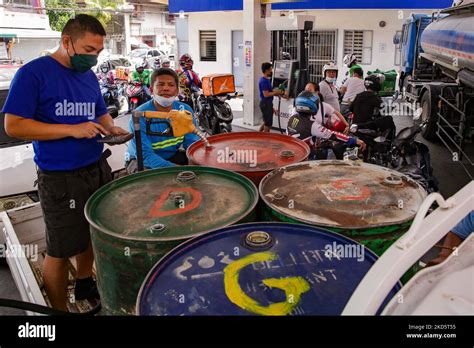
x=84 y=263
x=55 y=277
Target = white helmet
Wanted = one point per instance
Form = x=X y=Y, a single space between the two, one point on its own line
x=330 y=66
x=349 y=59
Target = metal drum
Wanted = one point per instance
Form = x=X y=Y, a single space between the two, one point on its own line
x=137 y=219
x=257 y=269
x=371 y=204
x=253 y=154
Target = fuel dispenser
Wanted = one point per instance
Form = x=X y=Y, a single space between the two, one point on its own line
x=289 y=68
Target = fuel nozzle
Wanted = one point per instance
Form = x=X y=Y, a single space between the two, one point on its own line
x=203 y=138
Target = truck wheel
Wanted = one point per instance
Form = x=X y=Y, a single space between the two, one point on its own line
x=429 y=115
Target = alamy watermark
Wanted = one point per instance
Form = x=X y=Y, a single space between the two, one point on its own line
x=400 y=108
x=78 y=109
x=30 y=251
x=340 y=251
x=242 y=156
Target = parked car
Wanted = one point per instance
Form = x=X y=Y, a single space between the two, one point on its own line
x=150 y=55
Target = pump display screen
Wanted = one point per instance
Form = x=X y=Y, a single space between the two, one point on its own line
x=282 y=70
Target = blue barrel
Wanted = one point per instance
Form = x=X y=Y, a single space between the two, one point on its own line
x=257 y=269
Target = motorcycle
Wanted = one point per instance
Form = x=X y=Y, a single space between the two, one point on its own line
x=114 y=98
x=401 y=153
x=213 y=113
x=136 y=95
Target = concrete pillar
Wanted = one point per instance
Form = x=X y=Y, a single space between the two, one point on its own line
x=126 y=25
x=257 y=39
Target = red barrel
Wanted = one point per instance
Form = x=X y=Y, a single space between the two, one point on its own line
x=252 y=154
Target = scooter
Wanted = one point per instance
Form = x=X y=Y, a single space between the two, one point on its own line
x=136 y=95
x=402 y=153
x=213 y=113
x=114 y=98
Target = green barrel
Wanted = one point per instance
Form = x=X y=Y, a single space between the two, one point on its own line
x=370 y=204
x=136 y=220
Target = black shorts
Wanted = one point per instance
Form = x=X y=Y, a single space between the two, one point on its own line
x=63 y=195
x=267 y=112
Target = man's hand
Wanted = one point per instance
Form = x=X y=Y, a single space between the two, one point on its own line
x=361 y=144
x=88 y=130
x=117 y=131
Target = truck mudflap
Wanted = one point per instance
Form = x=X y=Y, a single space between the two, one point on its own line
x=422 y=235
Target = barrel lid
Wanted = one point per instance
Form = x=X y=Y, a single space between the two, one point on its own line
x=171 y=203
x=248 y=151
x=257 y=268
x=345 y=194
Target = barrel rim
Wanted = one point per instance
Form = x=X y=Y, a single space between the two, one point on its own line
x=267 y=177
x=196 y=145
x=102 y=191
x=201 y=239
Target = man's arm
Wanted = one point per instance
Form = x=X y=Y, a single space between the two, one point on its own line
x=29 y=129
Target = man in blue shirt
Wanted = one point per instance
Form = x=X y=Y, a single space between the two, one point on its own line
x=267 y=92
x=55 y=101
x=454 y=238
x=161 y=149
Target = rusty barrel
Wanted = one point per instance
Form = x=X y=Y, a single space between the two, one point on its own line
x=270 y=268
x=371 y=204
x=136 y=220
x=252 y=154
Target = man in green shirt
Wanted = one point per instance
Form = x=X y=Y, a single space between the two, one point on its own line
x=142 y=75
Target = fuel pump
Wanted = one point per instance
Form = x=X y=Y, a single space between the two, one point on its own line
x=290 y=40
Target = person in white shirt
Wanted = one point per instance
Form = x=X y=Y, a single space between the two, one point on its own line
x=327 y=87
x=353 y=86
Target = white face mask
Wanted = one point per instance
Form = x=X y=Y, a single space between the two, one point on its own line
x=163 y=101
x=330 y=79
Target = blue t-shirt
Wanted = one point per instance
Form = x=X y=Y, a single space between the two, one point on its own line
x=44 y=90
x=264 y=84
x=465 y=227
x=158 y=149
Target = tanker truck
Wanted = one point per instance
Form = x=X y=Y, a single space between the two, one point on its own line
x=437 y=74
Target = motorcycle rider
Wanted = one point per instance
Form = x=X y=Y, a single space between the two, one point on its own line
x=166 y=63
x=327 y=87
x=314 y=123
x=353 y=86
x=161 y=150
x=367 y=104
x=350 y=61
x=188 y=79
x=105 y=76
x=142 y=75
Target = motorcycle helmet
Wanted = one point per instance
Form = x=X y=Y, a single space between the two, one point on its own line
x=307 y=103
x=374 y=82
x=104 y=68
x=349 y=60
x=166 y=62
x=156 y=63
x=140 y=67
x=328 y=67
x=185 y=59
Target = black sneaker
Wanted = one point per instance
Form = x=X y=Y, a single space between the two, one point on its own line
x=86 y=289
